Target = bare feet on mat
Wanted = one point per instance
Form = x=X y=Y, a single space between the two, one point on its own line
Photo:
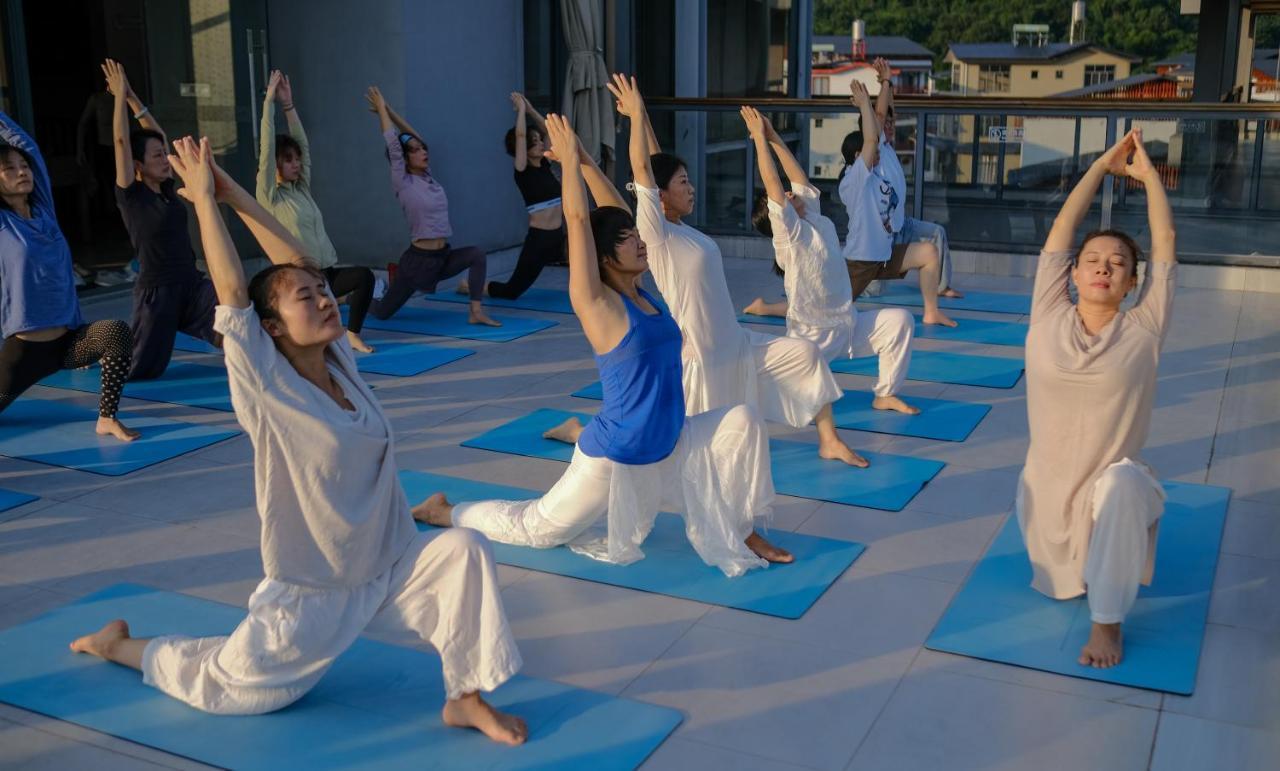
x=358 y=343
x=567 y=432
x=471 y=711
x=838 y=450
x=478 y=316
x=101 y=642
x=938 y=317
x=895 y=404
x=1105 y=647
x=949 y=292
x=767 y=551
x=113 y=427
x=756 y=308
x=435 y=510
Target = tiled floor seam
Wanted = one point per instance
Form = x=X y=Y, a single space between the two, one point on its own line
x=1226 y=378
x=880 y=713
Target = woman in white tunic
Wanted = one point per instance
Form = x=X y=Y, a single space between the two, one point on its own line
x=340 y=549
x=806 y=249
x=1088 y=506
x=640 y=453
x=724 y=364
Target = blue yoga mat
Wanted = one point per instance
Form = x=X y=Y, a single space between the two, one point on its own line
x=420 y=320
x=10 y=499
x=991 y=302
x=534 y=299
x=998 y=616
x=670 y=565
x=61 y=434
x=939 y=367
x=890 y=483
x=941 y=419
x=398 y=359
x=378 y=707
x=183 y=382
x=970 y=330
x=185 y=342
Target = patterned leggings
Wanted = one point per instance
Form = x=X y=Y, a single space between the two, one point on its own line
x=23 y=363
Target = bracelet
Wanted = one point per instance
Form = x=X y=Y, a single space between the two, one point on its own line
x=287 y=107
x=138 y=115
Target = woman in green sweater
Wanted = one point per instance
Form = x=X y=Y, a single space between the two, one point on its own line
x=284 y=188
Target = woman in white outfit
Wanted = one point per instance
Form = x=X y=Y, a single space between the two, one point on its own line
x=641 y=453
x=1088 y=506
x=806 y=248
x=340 y=551
x=724 y=364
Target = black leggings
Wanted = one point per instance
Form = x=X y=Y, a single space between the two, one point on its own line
x=541 y=248
x=357 y=282
x=420 y=270
x=23 y=363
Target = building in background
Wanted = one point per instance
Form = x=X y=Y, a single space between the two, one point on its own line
x=1031 y=70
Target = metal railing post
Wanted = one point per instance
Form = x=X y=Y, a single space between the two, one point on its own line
x=1108 y=186
x=917 y=162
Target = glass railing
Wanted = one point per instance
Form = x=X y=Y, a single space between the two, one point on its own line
x=995 y=172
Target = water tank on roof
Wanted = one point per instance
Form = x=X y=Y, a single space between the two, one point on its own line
x=1077 y=21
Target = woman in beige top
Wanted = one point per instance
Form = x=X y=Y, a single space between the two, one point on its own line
x=1088 y=507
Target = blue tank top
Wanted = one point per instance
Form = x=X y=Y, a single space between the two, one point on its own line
x=643 y=410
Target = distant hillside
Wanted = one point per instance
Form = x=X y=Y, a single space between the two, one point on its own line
x=1152 y=29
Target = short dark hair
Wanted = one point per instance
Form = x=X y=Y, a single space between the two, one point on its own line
x=760 y=219
x=610 y=226
x=509 y=141
x=404 y=140
x=5 y=151
x=265 y=285
x=851 y=146
x=287 y=144
x=666 y=166
x=1135 y=251
x=138 y=139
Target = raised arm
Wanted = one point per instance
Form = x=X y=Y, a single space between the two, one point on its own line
x=764 y=156
x=118 y=85
x=884 y=100
x=194 y=163
x=266 y=180
x=1113 y=161
x=395 y=152
x=534 y=115
x=13 y=135
x=284 y=95
x=870 y=125
x=1159 y=213
x=631 y=104
x=601 y=187
x=585 y=287
x=522 y=144
x=280 y=246
x=790 y=166
x=402 y=124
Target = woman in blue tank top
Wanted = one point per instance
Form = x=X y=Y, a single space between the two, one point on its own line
x=640 y=454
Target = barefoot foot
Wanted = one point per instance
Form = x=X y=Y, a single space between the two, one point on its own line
x=102 y=642
x=471 y=711
x=838 y=450
x=895 y=404
x=756 y=308
x=567 y=432
x=113 y=427
x=483 y=319
x=938 y=317
x=767 y=551
x=358 y=343
x=948 y=292
x=435 y=510
x=1105 y=647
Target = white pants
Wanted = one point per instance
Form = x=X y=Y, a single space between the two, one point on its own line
x=718 y=478
x=1127 y=505
x=794 y=381
x=443 y=590
x=886 y=333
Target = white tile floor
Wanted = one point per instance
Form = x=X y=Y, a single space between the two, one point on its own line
x=848 y=685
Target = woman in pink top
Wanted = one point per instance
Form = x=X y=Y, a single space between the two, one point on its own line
x=1088 y=506
x=429 y=258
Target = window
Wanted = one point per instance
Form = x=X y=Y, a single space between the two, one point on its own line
x=1035 y=74
x=1099 y=73
x=817 y=122
x=750 y=47
x=821 y=86
x=957 y=75
x=545 y=56
x=1057 y=74
x=993 y=78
